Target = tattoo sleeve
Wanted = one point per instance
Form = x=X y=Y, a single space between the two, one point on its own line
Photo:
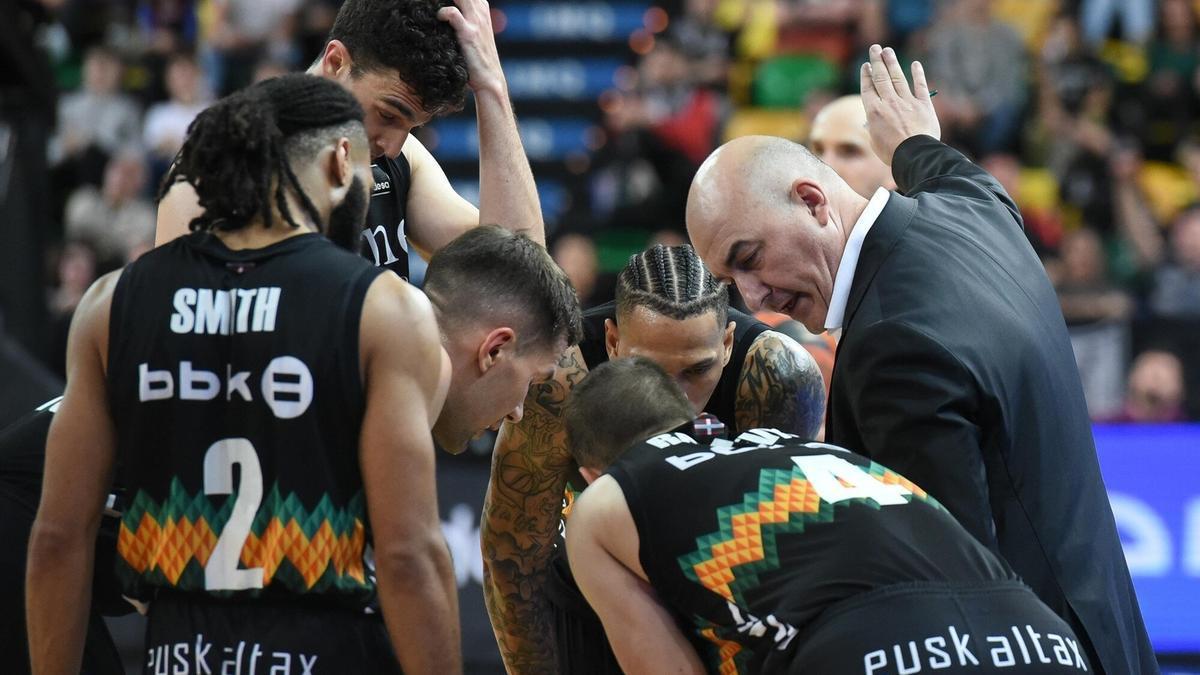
x=780 y=387
x=521 y=515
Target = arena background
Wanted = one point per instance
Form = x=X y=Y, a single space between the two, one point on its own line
x=1086 y=110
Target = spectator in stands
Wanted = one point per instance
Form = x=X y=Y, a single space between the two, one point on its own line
x=78 y=266
x=1097 y=315
x=839 y=137
x=96 y=121
x=1043 y=226
x=1140 y=243
x=978 y=65
x=161 y=29
x=167 y=122
x=1155 y=392
x=116 y=218
x=267 y=68
x=1170 y=87
x=682 y=115
x=706 y=45
x=243 y=33
x=1135 y=18
x=1075 y=104
x=658 y=135
x=894 y=22
x=1176 y=291
x=576 y=255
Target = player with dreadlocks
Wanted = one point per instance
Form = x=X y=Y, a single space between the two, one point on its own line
x=243 y=382
x=669 y=309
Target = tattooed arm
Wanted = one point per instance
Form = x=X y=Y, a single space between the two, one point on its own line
x=780 y=387
x=521 y=515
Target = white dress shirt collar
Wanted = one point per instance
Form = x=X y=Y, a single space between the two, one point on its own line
x=845 y=272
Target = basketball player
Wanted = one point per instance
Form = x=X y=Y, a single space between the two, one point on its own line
x=22 y=455
x=779 y=556
x=406 y=63
x=197 y=381
x=670 y=309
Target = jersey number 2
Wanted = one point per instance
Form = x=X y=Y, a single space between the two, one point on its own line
x=222 y=572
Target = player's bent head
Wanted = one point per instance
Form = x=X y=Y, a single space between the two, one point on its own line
x=506 y=313
x=673 y=311
x=620 y=403
x=400 y=61
x=291 y=150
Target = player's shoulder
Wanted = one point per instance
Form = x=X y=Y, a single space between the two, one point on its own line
x=596 y=508
x=414 y=154
x=772 y=344
x=395 y=301
x=783 y=359
x=99 y=295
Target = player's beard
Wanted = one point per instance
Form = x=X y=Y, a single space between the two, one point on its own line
x=347 y=219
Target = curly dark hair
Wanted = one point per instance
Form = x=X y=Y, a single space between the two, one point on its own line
x=239 y=152
x=672 y=281
x=407 y=36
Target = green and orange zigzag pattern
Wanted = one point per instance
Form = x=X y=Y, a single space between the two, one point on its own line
x=728 y=562
x=302 y=551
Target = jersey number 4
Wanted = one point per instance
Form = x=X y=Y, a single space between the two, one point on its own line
x=222 y=573
x=834 y=480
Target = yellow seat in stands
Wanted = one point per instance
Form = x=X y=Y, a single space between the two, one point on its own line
x=1168 y=189
x=1039 y=189
x=790 y=124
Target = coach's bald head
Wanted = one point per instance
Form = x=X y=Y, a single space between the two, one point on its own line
x=769 y=215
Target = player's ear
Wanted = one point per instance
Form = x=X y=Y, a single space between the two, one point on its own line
x=336 y=61
x=497 y=345
x=589 y=474
x=339 y=169
x=727 y=341
x=612 y=338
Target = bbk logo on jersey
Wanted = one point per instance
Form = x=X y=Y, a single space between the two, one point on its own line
x=286 y=385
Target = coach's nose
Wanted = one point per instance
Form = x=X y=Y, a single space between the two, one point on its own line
x=753 y=291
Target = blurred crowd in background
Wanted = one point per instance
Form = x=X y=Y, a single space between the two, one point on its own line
x=1087 y=111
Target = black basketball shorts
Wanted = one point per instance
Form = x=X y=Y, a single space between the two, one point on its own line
x=201 y=636
x=984 y=628
x=583 y=647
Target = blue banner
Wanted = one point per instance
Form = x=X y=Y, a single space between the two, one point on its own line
x=1151 y=474
x=592 y=21
x=544 y=139
x=552 y=195
x=560 y=79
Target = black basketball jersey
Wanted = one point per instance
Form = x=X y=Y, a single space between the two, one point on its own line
x=234 y=385
x=385 y=242
x=723 y=401
x=749 y=540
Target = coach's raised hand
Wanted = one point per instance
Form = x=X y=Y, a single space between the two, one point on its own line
x=894 y=111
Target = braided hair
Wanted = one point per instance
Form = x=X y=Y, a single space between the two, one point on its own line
x=671 y=281
x=239 y=152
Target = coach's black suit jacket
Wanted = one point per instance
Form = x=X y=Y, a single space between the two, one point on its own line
x=955 y=369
